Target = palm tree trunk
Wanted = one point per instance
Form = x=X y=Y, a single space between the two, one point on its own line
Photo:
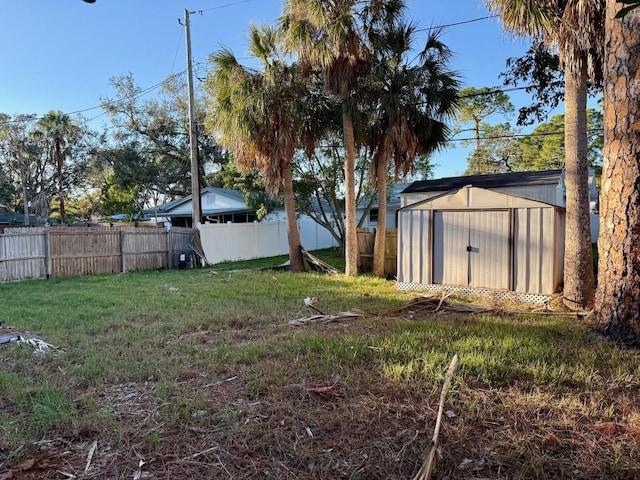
x=296 y=262
x=380 y=241
x=351 y=239
x=618 y=296
x=578 y=259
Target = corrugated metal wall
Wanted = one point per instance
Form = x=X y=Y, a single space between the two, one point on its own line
x=535 y=242
x=414 y=246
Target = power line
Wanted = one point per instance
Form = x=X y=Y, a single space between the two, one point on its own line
x=226 y=5
x=112 y=102
x=517 y=135
x=463 y=22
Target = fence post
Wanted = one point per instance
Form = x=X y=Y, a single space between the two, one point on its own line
x=169 y=243
x=121 y=235
x=47 y=254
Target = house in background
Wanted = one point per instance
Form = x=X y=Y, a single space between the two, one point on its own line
x=218 y=205
x=393 y=204
x=230 y=230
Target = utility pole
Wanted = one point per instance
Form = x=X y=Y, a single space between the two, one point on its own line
x=196 y=207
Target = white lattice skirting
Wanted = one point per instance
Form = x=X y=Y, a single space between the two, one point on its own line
x=500 y=295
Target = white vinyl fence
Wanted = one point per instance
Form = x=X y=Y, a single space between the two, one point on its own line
x=223 y=242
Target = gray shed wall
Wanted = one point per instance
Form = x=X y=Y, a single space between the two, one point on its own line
x=517 y=249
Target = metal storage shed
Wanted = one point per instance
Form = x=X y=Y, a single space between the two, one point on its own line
x=482 y=242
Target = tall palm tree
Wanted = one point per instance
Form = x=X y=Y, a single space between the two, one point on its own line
x=412 y=102
x=255 y=115
x=59 y=135
x=576 y=28
x=329 y=36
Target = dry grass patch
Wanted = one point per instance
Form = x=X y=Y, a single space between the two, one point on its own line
x=210 y=381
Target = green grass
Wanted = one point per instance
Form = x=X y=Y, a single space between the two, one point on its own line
x=173 y=362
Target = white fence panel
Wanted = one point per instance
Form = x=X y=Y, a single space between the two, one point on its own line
x=314 y=236
x=224 y=242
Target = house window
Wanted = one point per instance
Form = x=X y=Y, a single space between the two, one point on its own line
x=373 y=215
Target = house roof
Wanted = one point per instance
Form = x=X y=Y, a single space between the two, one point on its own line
x=514 y=179
x=13 y=218
x=208 y=212
x=393 y=198
x=234 y=194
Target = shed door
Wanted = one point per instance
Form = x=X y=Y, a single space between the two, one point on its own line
x=489 y=258
x=471 y=248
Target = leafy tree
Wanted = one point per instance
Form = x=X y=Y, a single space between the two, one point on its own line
x=45 y=158
x=319 y=185
x=544 y=148
x=63 y=144
x=21 y=159
x=493 y=148
x=575 y=29
x=618 y=296
x=153 y=140
x=499 y=150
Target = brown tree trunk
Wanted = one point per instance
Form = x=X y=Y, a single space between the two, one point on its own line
x=618 y=297
x=379 y=243
x=578 y=259
x=296 y=262
x=351 y=239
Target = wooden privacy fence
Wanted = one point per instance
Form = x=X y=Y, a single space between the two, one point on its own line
x=41 y=252
x=365 y=251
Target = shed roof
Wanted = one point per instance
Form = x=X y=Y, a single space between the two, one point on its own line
x=514 y=179
x=472 y=197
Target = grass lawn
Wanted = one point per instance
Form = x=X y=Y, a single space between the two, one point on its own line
x=196 y=374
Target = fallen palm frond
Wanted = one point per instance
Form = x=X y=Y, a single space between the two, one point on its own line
x=313 y=319
x=316 y=264
x=427 y=466
x=412 y=309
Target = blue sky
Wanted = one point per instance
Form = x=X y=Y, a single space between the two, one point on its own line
x=60 y=54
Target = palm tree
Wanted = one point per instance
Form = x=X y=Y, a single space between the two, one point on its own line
x=330 y=37
x=254 y=115
x=575 y=27
x=59 y=135
x=412 y=102
x=618 y=296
